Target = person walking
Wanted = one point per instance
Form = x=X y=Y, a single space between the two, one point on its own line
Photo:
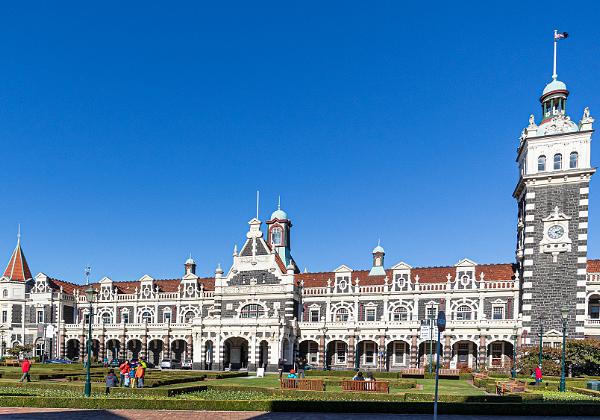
x=280 y=366
x=358 y=377
x=25 y=367
x=124 y=370
x=301 y=364
x=538 y=375
x=111 y=380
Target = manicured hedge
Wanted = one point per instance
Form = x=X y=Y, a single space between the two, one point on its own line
x=586 y=391
x=487 y=408
x=351 y=373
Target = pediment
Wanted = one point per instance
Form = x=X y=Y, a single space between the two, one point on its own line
x=190 y=276
x=342 y=269
x=105 y=280
x=40 y=276
x=402 y=266
x=146 y=278
x=465 y=262
x=556 y=216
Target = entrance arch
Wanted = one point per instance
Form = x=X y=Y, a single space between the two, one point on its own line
x=263 y=354
x=464 y=354
x=179 y=350
x=367 y=354
x=155 y=349
x=429 y=347
x=235 y=353
x=337 y=354
x=398 y=355
x=500 y=354
x=113 y=349
x=134 y=347
x=208 y=355
x=309 y=349
x=73 y=346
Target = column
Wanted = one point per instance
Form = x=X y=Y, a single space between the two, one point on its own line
x=189 y=347
x=447 y=351
x=102 y=349
x=82 y=347
x=63 y=344
x=414 y=351
x=165 y=349
x=322 y=361
x=381 y=348
x=123 y=345
x=482 y=351
x=351 y=353
x=144 y=351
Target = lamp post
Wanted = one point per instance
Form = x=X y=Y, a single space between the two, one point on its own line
x=90 y=293
x=430 y=322
x=541 y=319
x=441 y=324
x=324 y=328
x=514 y=368
x=564 y=312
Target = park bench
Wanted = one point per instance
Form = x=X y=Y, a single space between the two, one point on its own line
x=366 y=386
x=504 y=387
x=11 y=362
x=480 y=376
x=413 y=372
x=303 y=384
x=449 y=373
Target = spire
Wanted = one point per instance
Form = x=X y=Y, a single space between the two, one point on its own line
x=279 y=202
x=17 y=268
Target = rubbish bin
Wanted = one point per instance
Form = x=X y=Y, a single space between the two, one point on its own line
x=593 y=385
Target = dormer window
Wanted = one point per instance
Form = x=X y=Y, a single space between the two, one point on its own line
x=277 y=236
x=542 y=163
x=557 y=161
x=573 y=158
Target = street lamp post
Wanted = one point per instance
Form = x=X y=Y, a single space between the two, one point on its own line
x=324 y=344
x=564 y=312
x=90 y=293
x=541 y=339
x=441 y=326
x=514 y=368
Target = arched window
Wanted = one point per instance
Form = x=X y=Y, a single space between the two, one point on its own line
x=146 y=317
x=463 y=313
x=189 y=316
x=277 y=236
x=557 y=161
x=167 y=315
x=573 y=160
x=342 y=315
x=106 y=318
x=5 y=293
x=400 y=314
x=542 y=163
x=252 y=311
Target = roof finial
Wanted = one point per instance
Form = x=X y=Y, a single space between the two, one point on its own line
x=378 y=241
x=279 y=202
x=87 y=271
x=257 y=201
x=19 y=233
x=557 y=36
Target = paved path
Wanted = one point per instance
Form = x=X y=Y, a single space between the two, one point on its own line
x=75 y=414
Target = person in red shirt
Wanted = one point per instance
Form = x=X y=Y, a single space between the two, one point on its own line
x=25 y=366
x=538 y=375
x=124 y=370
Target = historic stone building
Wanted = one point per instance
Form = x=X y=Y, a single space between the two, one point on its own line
x=263 y=308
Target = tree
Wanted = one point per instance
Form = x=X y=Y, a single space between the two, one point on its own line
x=582 y=358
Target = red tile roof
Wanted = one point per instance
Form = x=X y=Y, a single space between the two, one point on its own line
x=128 y=287
x=68 y=287
x=17 y=268
x=426 y=275
x=593 y=266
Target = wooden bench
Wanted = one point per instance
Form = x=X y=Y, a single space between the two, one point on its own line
x=449 y=373
x=302 y=384
x=366 y=386
x=480 y=376
x=413 y=372
x=11 y=362
x=504 y=387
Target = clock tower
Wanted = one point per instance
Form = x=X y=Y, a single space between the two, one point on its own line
x=552 y=195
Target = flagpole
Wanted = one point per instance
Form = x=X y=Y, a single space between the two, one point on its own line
x=554 y=75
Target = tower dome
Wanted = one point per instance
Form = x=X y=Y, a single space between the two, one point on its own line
x=190 y=261
x=279 y=214
x=378 y=249
x=555 y=86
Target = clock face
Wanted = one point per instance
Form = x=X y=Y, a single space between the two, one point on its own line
x=555 y=231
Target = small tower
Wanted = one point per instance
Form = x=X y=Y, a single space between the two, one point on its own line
x=17 y=268
x=378 y=256
x=279 y=228
x=190 y=266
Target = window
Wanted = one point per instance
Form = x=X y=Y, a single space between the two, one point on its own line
x=252 y=311
x=86 y=318
x=5 y=293
x=167 y=316
x=106 y=318
x=594 y=308
x=370 y=314
x=542 y=163
x=146 y=317
x=342 y=315
x=498 y=312
x=400 y=314
x=340 y=352
x=431 y=312
x=313 y=352
x=40 y=317
x=557 y=161
x=400 y=353
x=314 y=315
x=189 y=317
x=125 y=317
x=573 y=157
x=4 y=316
x=369 y=352
x=276 y=236
x=463 y=313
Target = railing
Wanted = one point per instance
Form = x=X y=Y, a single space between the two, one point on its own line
x=432 y=287
x=498 y=284
x=593 y=277
x=371 y=289
x=592 y=321
x=314 y=291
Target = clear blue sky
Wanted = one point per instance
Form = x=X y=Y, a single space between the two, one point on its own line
x=134 y=133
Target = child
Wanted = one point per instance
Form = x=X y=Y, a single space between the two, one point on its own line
x=111 y=380
x=132 y=377
x=292 y=374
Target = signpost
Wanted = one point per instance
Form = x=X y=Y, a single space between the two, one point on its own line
x=441 y=326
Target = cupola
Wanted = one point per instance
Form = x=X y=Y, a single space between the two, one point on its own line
x=378 y=256
x=190 y=265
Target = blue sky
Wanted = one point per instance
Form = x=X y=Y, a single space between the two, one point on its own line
x=133 y=134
